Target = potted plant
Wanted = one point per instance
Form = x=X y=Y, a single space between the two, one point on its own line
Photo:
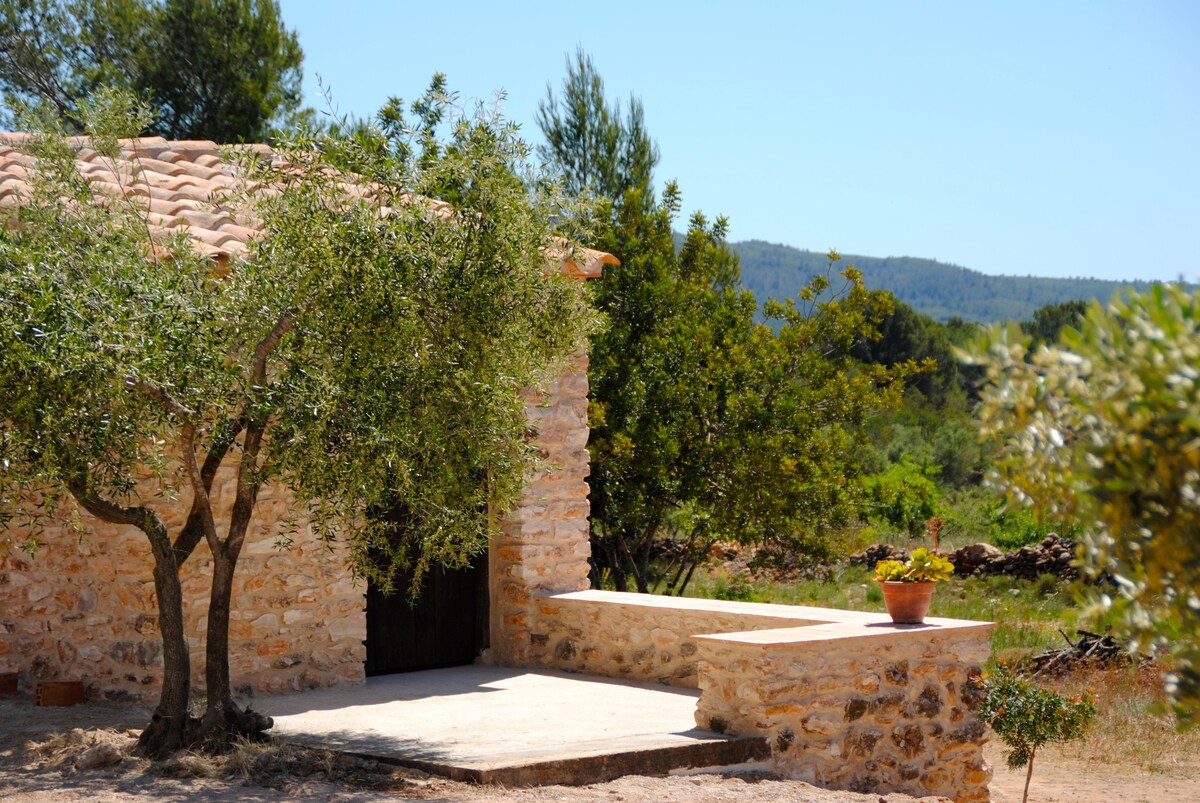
x=908 y=587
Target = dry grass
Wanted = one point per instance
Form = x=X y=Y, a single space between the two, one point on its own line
x=282 y=766
x=1132 y=727
x=59 y=750
x=263 y=764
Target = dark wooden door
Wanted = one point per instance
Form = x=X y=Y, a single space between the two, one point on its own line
x=446 y=626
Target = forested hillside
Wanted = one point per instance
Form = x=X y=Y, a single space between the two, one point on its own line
x=934 y=288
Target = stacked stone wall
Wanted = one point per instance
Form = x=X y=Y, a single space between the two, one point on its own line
x=84 y=606
x=641 y=636
x=543 y=545
x=883 y=713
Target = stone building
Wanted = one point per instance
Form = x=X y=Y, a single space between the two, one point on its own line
x=84 y=606
x=847 y=699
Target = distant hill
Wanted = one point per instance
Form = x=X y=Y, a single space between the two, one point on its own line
x=934 y=288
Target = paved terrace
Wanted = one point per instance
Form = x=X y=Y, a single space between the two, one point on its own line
x=511 y=726
x=631 y=683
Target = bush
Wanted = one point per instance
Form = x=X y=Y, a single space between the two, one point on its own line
x=1046 y=584
x=1025 y=717
x=903 y=496
x=1013 y=529
x=737 y=588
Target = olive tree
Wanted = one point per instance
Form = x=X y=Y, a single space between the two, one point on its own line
x=1103 y=427
x=368 y=354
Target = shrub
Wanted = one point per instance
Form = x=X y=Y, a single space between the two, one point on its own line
x=737 y=588
x=1013 y=529
x=1025 y=717
x=904 y=496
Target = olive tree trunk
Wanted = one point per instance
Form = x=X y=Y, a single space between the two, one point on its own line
x=168 y=730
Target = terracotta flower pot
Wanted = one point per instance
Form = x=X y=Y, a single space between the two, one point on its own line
x=907 y=602
x=60 y=692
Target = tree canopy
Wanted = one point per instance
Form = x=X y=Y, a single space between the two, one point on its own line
x=225 y=70
x=906 y=335
x=1049 y=320
x=588 y=142
x=1103 y=426
x=706 y=423
x=369 y=353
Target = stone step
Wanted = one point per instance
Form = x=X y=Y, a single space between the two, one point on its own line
x=596 y=762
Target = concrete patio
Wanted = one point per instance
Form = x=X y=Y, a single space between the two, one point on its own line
x=510 y=726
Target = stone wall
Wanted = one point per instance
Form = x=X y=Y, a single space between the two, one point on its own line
x=84 y=606
x=846 y=708
x=543 y=546
x=847 y=699
x=643 y=636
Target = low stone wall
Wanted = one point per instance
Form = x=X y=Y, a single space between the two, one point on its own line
x=84 y=606
x=868 y=707
x=848 y=700
x=643 y=636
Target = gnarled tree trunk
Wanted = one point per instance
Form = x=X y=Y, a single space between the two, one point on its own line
x=169 y=728
x=224 y=718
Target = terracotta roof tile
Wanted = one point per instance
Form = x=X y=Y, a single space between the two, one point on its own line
x=183 y=186
x=159 y=166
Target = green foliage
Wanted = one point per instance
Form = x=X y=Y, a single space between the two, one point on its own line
x=706 y=423
x=369 y=355
x=957 y=451
x=890 y=570
x=1013 y=528
x=89 y=322
x=906 y=335
x=62 y=51
x=1104 y=427
x=736 y=588
x=926 y=567
x=226 y=70
x=1046 y=584
x=416 y=401
x=922 y=566
x=1025 y=717
x=903 y=496
x=1049 y=321
x=932 y=288
x=588 y=143
x=751 y=434
x=941 y=442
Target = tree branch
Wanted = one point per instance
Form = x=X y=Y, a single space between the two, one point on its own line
x=248 y=483
x=201 y=504
x=192 y=530
x=138 y=516
x=258 y=368
x=168 y=401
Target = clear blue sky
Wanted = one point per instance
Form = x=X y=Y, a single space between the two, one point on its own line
x=1049 y=138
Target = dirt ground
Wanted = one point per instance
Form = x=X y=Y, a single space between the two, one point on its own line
x=39 y=748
